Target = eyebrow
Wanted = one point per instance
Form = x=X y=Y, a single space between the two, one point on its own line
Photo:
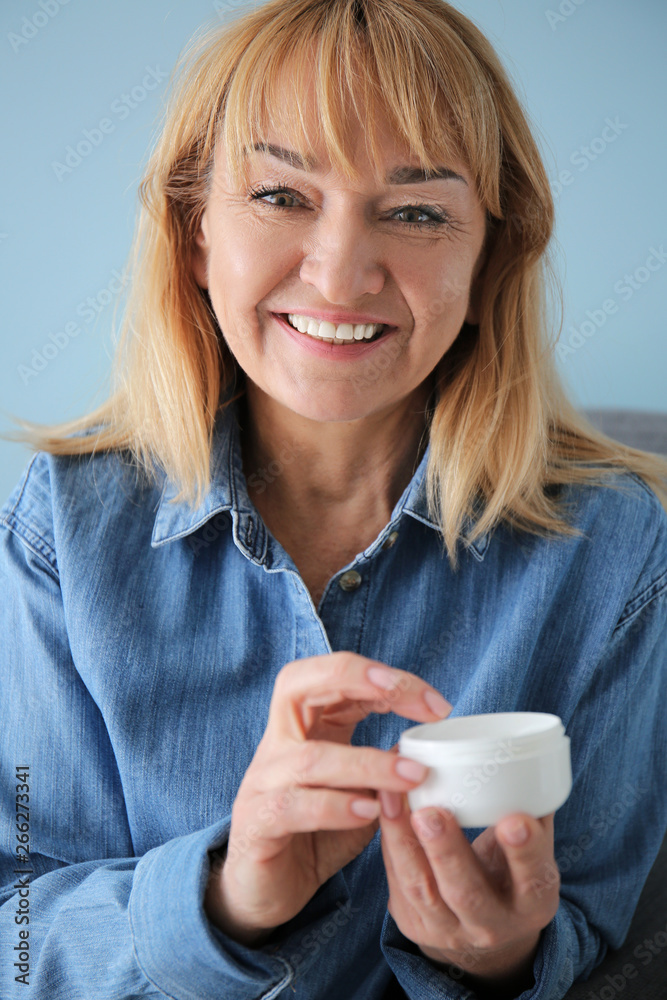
x=401 y=175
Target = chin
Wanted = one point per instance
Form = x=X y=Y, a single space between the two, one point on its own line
x=338 y=405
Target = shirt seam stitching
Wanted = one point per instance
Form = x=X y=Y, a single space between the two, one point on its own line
x=650 y=593
x=23 y=485
x=33 y=541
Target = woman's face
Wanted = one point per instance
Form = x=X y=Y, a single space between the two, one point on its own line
x=326 y=248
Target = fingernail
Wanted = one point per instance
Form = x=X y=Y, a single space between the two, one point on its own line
x=391 y=804
x=411 y=769
x=516 y=834
x=381 y=678
x=437 y=704
x=365 y=808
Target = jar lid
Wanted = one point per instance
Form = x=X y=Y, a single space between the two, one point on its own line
x=470 y=737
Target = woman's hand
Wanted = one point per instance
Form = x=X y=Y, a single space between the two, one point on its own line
x=472 y=907
x=307 y=804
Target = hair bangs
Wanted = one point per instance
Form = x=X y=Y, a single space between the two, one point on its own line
x=344 y=57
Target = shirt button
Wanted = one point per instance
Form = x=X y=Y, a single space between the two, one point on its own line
x=390 y=540
x=350 y=580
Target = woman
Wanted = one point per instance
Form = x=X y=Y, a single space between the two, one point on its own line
x=337 y=480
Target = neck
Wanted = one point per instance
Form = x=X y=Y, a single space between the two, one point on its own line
x=326 y=471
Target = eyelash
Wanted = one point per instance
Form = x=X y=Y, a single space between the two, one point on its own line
x=436 y=218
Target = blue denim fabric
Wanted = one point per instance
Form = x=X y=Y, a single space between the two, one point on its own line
x=140 y=644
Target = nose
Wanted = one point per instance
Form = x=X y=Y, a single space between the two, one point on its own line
x=340 y=259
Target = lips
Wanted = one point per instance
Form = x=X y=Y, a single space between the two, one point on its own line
x=339 y=352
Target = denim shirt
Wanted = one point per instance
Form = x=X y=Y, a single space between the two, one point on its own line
x=140 y=644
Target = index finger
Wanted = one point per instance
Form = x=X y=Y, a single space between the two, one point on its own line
x=334 y=678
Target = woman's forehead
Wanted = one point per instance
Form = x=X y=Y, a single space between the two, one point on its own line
x=346 y=123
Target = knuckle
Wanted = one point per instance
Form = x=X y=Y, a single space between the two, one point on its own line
x=468 y=900
x=341 y=663
x=423 y=894
x=489 y=938
x=308 y=758
x=462 y=947
x=314 y=806
x=411 y=845
x=279 y=801
x=404 y=683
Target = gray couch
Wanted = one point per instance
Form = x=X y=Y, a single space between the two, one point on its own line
x=638 y=970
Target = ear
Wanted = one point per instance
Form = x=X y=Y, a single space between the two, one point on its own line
x=200 y=252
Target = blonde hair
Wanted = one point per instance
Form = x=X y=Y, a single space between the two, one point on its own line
x=502 y=431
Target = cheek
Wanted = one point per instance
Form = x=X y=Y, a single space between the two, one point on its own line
x=243 y=271
x=444 y=296
x=235 y=259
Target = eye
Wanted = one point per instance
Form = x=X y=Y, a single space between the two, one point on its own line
x=263 y=192
x=432 y=217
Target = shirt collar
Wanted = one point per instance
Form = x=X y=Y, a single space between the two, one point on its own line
x=228 y=492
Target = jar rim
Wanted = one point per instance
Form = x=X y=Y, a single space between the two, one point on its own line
x=517 y=733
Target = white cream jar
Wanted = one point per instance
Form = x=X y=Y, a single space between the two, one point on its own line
x=484 y=767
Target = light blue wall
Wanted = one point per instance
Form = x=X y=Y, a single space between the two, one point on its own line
x=66 y=66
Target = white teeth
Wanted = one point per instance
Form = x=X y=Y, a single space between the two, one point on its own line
x=346 y=331
x=332 y=334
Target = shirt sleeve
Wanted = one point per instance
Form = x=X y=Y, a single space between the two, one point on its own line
x=80 y=916
x=609 y=832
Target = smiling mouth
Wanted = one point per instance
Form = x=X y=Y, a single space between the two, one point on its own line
x=335 y=341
